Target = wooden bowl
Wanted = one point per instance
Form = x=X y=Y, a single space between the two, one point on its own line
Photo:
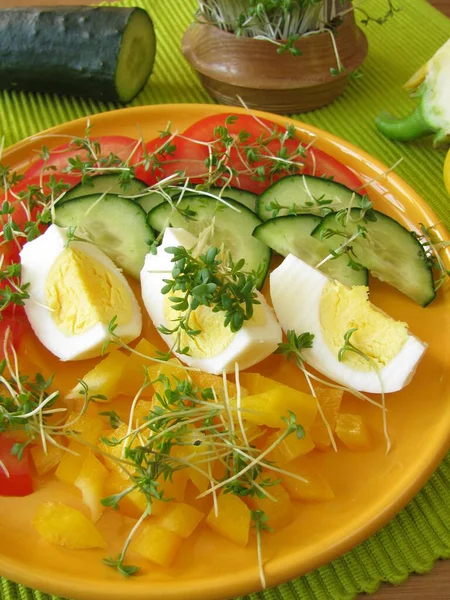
x=231 y=66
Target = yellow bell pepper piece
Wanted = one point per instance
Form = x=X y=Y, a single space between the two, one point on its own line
x=280 y=511
x=70 y=465
x=91 y=482
x=354 y=432
x=268 y=407
x=104 y=377
x=289 y=449
x=330 y=402
x=313 y=487
x=156 y=544
x=180 y=518
x=65 y=526
x=133 y=374
x=44 y=462
x=233 y=520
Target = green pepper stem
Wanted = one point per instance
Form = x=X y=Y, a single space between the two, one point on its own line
x=407 y=128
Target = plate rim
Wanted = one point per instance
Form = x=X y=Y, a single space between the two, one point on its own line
x=247 y=580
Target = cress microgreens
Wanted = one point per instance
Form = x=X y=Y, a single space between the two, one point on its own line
x=27 y=404
x=260 y=519
x=12 y=292
x=343 y=218
x=283 y=23
x=188 y=426
x=114 y=419
x=206 y=280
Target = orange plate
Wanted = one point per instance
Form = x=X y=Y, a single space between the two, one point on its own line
x=370 y=487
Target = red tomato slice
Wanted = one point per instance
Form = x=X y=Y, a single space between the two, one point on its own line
x=18 y=482
x=191 y=156
x=161 y=161
x=14 y=318
x=24 y=212
x=118 y=145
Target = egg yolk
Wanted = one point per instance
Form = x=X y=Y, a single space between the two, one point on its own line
x=214 y=337
x=377 y=336
x=82 y=292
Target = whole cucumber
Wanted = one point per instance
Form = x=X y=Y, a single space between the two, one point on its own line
x=102 y=52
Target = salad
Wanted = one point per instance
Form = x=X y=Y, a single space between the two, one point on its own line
x=159 y=278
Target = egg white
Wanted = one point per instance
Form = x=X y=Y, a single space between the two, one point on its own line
x=296 y=289
x=37 y=258
x=248 y=346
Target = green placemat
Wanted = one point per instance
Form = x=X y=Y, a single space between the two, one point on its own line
x=420 y=534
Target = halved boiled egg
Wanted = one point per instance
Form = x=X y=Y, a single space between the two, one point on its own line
x=75 y=291
x=305 y=300
x=216 y=348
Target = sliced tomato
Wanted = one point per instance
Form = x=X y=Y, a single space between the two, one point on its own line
x=118 y=145
x=17 y=481
x=158 y=161
x=25 y=209
x=191 y=154
x=325 y=165
x=13 y=317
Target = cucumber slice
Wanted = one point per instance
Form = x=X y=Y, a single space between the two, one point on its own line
x=390 y=252
x=105 y=183
x=116 y=225
x=242 y=196
x=155 y=198
x=233 y=228
x=298 y=194
x=292 y=235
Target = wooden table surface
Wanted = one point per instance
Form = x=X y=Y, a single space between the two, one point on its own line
x=432 y=586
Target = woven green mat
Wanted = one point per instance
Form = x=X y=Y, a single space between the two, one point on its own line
x=420 y=534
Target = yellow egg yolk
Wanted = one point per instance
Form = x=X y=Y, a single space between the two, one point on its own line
x=214 y=337
x=377 y=336
x=82 y=292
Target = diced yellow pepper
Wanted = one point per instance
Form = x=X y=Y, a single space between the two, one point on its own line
x=289 y=449
x=65 y=526
x=256 y=383
x=290 y=375
x=207 y=380
x=113 y=454
x=268 y=407
x=135 y=502
x=132 y=504
x=176 y=488
x=70 y=465
x=330 y=402
x=195 y=451
x=142 y=410
x=156 y=544
x=202 y=504
x=233 y=520
x=180 y=518
x=86 y=427
x=45 y=462
x=104 y=377
x=279 y=512
x=133 y=374
x=313 y=487
x=353 y=431
x=91 y=482
x=172 y=369
x=253 y=433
